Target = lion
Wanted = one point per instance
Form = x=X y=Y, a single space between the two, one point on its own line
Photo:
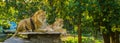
x=57 y=26
x=32 y=24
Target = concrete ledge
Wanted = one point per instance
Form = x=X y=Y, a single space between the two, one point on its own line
x=43 y=37
x=39 y=33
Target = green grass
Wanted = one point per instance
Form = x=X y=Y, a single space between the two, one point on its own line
x=2 y=39
x=71 y=39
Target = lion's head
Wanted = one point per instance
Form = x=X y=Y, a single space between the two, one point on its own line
x=58 y=23
x=40 y=16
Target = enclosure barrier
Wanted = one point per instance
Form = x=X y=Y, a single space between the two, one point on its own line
x=40 y=37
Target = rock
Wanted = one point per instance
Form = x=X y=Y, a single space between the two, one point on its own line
x=15 y=40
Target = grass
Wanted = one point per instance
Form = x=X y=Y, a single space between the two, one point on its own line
x=4 y=37
x=71 y=39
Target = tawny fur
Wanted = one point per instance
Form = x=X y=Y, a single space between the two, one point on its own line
x=39 y=20
x=57 y=26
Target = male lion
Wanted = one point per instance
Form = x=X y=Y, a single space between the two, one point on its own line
x=32 y=24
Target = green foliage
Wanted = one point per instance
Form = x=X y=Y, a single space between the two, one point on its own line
x=94 y=15
x=103 y=13
x=84 y=40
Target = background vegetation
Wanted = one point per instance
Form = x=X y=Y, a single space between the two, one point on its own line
x=82 y=18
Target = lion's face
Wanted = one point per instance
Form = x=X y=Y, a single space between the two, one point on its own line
x=40 y=16
x=58 y=23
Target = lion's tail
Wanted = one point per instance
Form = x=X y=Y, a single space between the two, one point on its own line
x=14 y=34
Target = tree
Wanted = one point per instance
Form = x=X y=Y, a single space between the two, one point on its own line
x=105 y=14
x=110 y=18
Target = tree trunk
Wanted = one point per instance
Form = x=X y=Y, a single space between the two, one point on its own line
x=117 y=37
x=114 y=37
x=106 y=38
x=79 y=28
x=79 y=34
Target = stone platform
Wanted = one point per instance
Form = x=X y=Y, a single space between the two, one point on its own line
x=43 y=37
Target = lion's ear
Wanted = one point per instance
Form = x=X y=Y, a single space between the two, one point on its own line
x=57 y=19
x=32 y=15
x=37 y=12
